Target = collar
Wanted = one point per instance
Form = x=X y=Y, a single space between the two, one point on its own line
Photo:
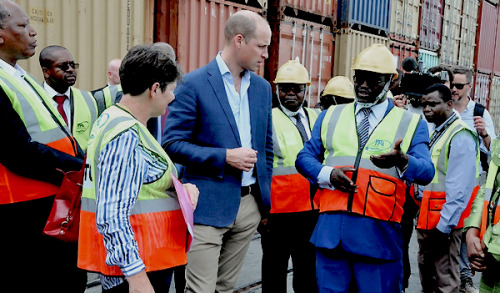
x=289 y=113
x=378 y=110
x=445 y=123
x=225 y=70
x=470 y=105
x=52 y=92
x=12 y=70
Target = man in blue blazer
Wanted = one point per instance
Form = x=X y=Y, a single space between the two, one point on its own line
x=219 y=128
x=360 y=154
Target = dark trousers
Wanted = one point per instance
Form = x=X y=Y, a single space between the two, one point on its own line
x=407 y=227
x=288 y=235
x=160 y=280
x=31 y=261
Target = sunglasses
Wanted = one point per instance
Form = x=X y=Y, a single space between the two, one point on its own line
x=66 y=65
x=370 y=78
x=459 y=86
x=287 y=88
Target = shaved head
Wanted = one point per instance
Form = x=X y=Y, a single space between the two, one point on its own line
x=113 y=71
x=243 y=22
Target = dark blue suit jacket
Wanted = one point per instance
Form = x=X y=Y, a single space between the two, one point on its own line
x=198 y=130
x=356 y=234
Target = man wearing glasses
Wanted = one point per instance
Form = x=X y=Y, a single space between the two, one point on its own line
x=78 y=108
x=483 y=124
x=360 y=155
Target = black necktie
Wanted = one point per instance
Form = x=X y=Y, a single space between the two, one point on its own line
x=301 y=128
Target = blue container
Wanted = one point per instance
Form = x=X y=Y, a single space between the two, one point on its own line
x=375 y=14
x=428 y=58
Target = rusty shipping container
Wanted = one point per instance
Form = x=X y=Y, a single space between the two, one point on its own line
x=496 y=64
x=403 y=50
x=431 y=25
x=495 y=101
x=467 y=44
x=373 y=15
x=348 y=44
x=309 y=42
x=94 y=31
x=195 y=28
x=326 y=8
x=485 y=52
x=405 y=20
x=481 y=89
x=450 y=37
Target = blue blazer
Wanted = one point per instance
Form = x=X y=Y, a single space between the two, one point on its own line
x=200 y=127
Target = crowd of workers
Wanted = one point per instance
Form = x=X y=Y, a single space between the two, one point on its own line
x=338 y=190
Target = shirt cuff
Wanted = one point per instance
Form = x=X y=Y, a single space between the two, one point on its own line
x=324 y=178
x=444 y=228
x=133 y=268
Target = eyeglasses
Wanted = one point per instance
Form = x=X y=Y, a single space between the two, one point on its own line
x=65 y=66
x=372 y=79
x=287 y=88
x=459 y=86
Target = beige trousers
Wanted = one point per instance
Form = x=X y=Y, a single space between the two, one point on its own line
x=217 y=254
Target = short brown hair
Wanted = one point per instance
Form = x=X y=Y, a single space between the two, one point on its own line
x=467 y=72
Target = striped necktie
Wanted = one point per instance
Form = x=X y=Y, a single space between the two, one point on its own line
x=301 y=128
x=364 y=127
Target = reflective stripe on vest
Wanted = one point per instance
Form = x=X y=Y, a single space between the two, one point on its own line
x=156 y=219
x=44 y=124
x=84 y=115
x=110 y=93
x=381 y=193
x=434 y=195
x=491 y=209
x=290 y=191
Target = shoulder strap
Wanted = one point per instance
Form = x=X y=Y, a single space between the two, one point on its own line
x=479 y=110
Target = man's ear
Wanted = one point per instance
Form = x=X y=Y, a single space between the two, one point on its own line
x=238 y=40
x=2 y=40
x=155 y=89
x=45 y=71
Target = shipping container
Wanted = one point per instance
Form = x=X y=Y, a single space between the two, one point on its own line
x=402 y=50
x=327 y=8
x=348 y=44
x=494 y=108
x=487 y=33
x=312 y=44
x=195 y=28
x=468 y=33
x=404 y=20
x=496 y=66
x=450 y=38
x=481 y=89
x=365 y=14
x=94 y=31
x=429 y=59
x=431 y=25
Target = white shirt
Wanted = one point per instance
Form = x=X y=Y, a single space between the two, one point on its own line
x=303 y=119
x=66 y=105
x=18 y=73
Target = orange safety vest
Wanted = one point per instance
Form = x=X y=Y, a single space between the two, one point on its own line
x=290 y=191
x=434 y=195
x=45 y=125
x=381 y=193
x=156 y=219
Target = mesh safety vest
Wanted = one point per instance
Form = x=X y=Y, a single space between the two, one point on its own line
x=490 y=216
x=84 y=114
x=434 y=195
x=381 y=193
x=156 y=218
x=106 y=97
x=290 y=191
x=44 y=124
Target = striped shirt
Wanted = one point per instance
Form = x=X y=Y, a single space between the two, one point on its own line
x=124 y=166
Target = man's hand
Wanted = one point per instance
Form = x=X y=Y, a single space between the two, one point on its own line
x=340 y=181
x=393 y=158
x=241 y=158
x=139 y=283
x=480 y=126
x=193 y=192
x=475 y=250
x=400 y=101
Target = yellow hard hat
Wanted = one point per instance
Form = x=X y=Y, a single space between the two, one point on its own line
x=339 y=86
x=292 y=72
x=376 y=58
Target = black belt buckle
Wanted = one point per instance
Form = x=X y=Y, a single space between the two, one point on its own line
x=245 y=190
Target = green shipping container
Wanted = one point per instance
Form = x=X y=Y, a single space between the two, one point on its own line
x=429 y=59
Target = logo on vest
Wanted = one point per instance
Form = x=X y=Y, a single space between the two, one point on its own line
x=82 y=127
x=379 y=146
x=102 y=120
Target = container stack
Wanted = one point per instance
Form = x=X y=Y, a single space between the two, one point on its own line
x=360 y=24
x=431 y=19
x=303 y=30
x=404 y=29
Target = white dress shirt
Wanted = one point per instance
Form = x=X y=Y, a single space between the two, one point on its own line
x=66 y=105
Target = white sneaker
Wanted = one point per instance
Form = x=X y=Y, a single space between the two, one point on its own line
x=467 y=286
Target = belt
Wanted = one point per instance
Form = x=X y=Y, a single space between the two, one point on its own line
x=248 y=189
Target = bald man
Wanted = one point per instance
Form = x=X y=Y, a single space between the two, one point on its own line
x=219 y=127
